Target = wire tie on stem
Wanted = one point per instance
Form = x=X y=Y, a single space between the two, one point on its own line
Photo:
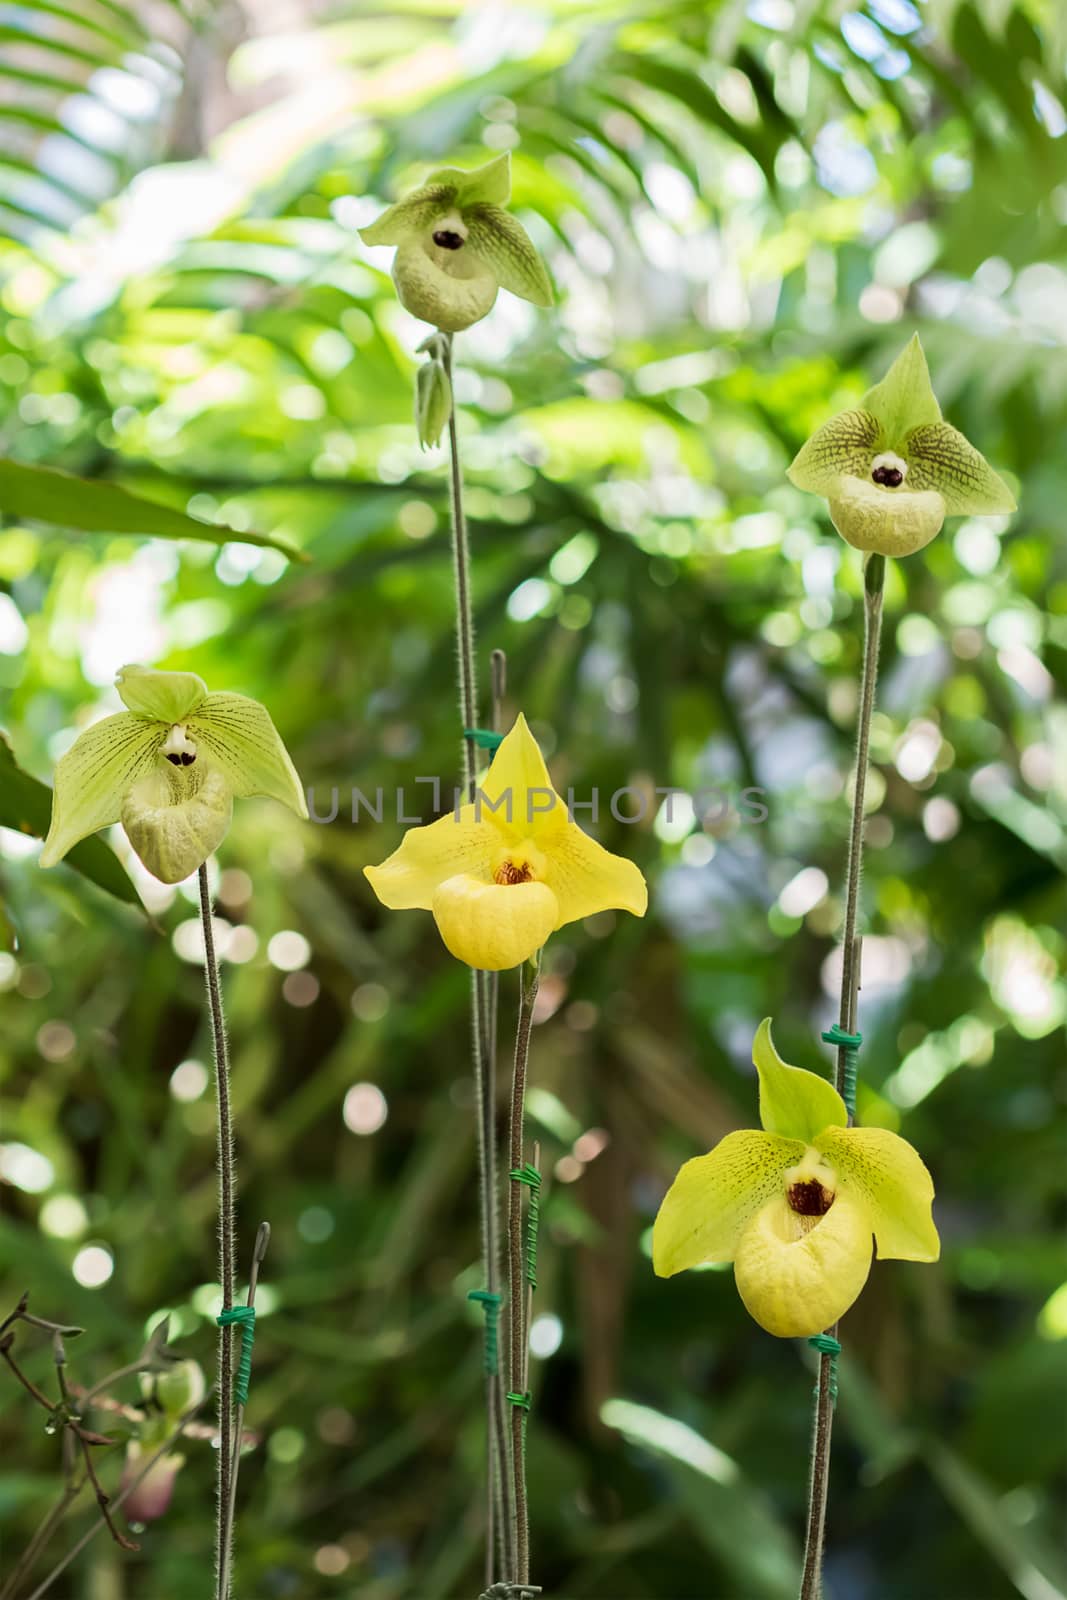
x=243 y=1317
x=490 y=1304
x=484 y=738
x=827 y=1345
x=529 y=1175
x=850 y=1044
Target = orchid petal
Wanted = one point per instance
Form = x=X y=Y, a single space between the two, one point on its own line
x=493 y=926
x=176 y=817
x=847 y=443
x=489 y=184
x=894 y=522
x=796 y=1280
x=905 y=397
x=94 y=776
x=168 y=697
x=244 y=745
x=411 y=216
x=793 y=1102
x=887 y=1176
x=428 y=856
x=707 y=1207
x=451 y=300
x=495 y=236
x=517 y=791
x=940 y=458
x=586 y=878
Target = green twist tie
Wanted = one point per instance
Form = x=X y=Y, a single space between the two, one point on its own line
x=490 y=1304
x=827 y=1345
x=484 y=738
x=529 y=1175
x=849 y=1043
x=516 y=1399
x=243 y=1317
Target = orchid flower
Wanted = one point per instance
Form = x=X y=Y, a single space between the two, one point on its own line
x=457 y=246
x=509 y=867
x=797 y=1205
x=169 y=768
x=893 y=469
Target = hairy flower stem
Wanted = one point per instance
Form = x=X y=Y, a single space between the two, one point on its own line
x=497 y=1510
x=822 y=1426
x=227 y=1190
x=260 y=1250
x=529 y=977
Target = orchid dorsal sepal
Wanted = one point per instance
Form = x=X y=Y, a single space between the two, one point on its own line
x=169 y=769
x=892 y=469
x=797 y=1206
x=456 y=246
x=510 y=867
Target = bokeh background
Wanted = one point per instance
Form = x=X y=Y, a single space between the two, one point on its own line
x=747 y=209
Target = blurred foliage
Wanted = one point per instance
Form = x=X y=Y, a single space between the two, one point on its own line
x=746 y=209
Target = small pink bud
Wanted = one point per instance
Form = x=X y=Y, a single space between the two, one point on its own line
x=153 y=1494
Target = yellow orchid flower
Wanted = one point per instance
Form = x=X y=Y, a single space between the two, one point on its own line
x=509 y=868
x=794 y=1207
x=168 y=768
x=893 y=469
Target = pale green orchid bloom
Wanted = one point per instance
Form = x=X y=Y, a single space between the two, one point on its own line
x=169 y=769
x=795 y=1207
x=457 y=246
x=893 y=469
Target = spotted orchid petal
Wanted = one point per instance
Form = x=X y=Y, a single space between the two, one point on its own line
x=885 y=1175
x=500 y=241
x=940 y=459
x=714 y=1197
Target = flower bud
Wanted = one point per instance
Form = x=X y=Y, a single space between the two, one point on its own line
x=177 y=1388
x=433 y=402
x=153 y=1494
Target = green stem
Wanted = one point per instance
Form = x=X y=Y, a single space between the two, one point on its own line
x=497 y=1496
x=227 y=1190
x=822 y=1426
x=529 y=978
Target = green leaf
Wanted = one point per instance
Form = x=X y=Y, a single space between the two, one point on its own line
x=792 y=1102
x=90 y=505
x=26 y=805
x=940 y=458
x=504 y=243
x=847 y=444
x=905 y=398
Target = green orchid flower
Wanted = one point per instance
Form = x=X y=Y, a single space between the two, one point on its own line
x=169 y=768
x=457 y=246
x=893 y=469
x=795 y=1207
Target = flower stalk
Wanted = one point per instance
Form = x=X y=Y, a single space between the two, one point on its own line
x=227 y=1193
x=498 y=1513
x=518 y=1375
x=822 y=1424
